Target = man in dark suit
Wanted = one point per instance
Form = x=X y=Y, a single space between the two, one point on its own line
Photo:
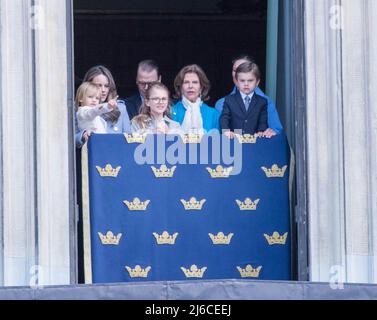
x=147 y=72
x=245 y=110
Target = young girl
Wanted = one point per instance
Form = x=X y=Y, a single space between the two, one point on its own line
x=88 y=109
x=155 y=112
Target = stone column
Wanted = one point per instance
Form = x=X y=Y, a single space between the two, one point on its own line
x=371 y=126
x=341 y=126
x=19 y=207
x=360 y=143
x=36 y=142
x=54 y=113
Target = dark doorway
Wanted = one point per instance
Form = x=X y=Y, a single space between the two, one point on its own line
x=118 y=34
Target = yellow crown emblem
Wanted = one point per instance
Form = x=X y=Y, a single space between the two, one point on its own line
x=193 y=204
x=248 y=205
x=163 y=172
x=220 y=172
x=275 y=171
x=247 y=138
x=276 y=238
x=192 y=138
x=138 y=272
x=249 y=271
x=135 y=137
x=137 y=205
x=221 y=238
x=108 y=171
x=194 y=272
x=165 y=237
x=110 y=238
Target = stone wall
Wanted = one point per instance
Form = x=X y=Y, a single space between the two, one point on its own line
x=36 y=135
x=342 y=127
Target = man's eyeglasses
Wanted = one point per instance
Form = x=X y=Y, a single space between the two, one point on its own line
x=143 y=84
x=158 y=100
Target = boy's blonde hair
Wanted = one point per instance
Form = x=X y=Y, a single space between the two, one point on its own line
x=145 y=111
x=82 y=91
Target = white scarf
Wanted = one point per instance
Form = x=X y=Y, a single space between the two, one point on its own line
x=193 y=122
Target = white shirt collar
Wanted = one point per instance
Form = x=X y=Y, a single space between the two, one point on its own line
x=243 y=96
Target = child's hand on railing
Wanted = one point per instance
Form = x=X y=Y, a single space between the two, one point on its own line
x=269 y=133
x=87 y=133
x=162 y=127
x=229 y=134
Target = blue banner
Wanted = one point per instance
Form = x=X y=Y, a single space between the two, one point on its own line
x=162 y=209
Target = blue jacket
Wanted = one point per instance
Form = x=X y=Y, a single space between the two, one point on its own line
x=210 y=116
x=123 y=125
x=273 y=116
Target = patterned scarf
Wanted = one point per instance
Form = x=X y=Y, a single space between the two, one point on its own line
x=193 y=122
x=112 y=116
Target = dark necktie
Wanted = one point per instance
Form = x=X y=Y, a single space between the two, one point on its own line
x=247 y=102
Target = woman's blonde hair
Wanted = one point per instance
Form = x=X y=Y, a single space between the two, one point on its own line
x=145 y=112
x=82 y=91
x=102 y=70
x=95 y=71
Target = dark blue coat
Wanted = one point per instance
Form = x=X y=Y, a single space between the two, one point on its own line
x=234 y=115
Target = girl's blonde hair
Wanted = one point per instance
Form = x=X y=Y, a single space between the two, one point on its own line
x=145 y=112
x=82 y=91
